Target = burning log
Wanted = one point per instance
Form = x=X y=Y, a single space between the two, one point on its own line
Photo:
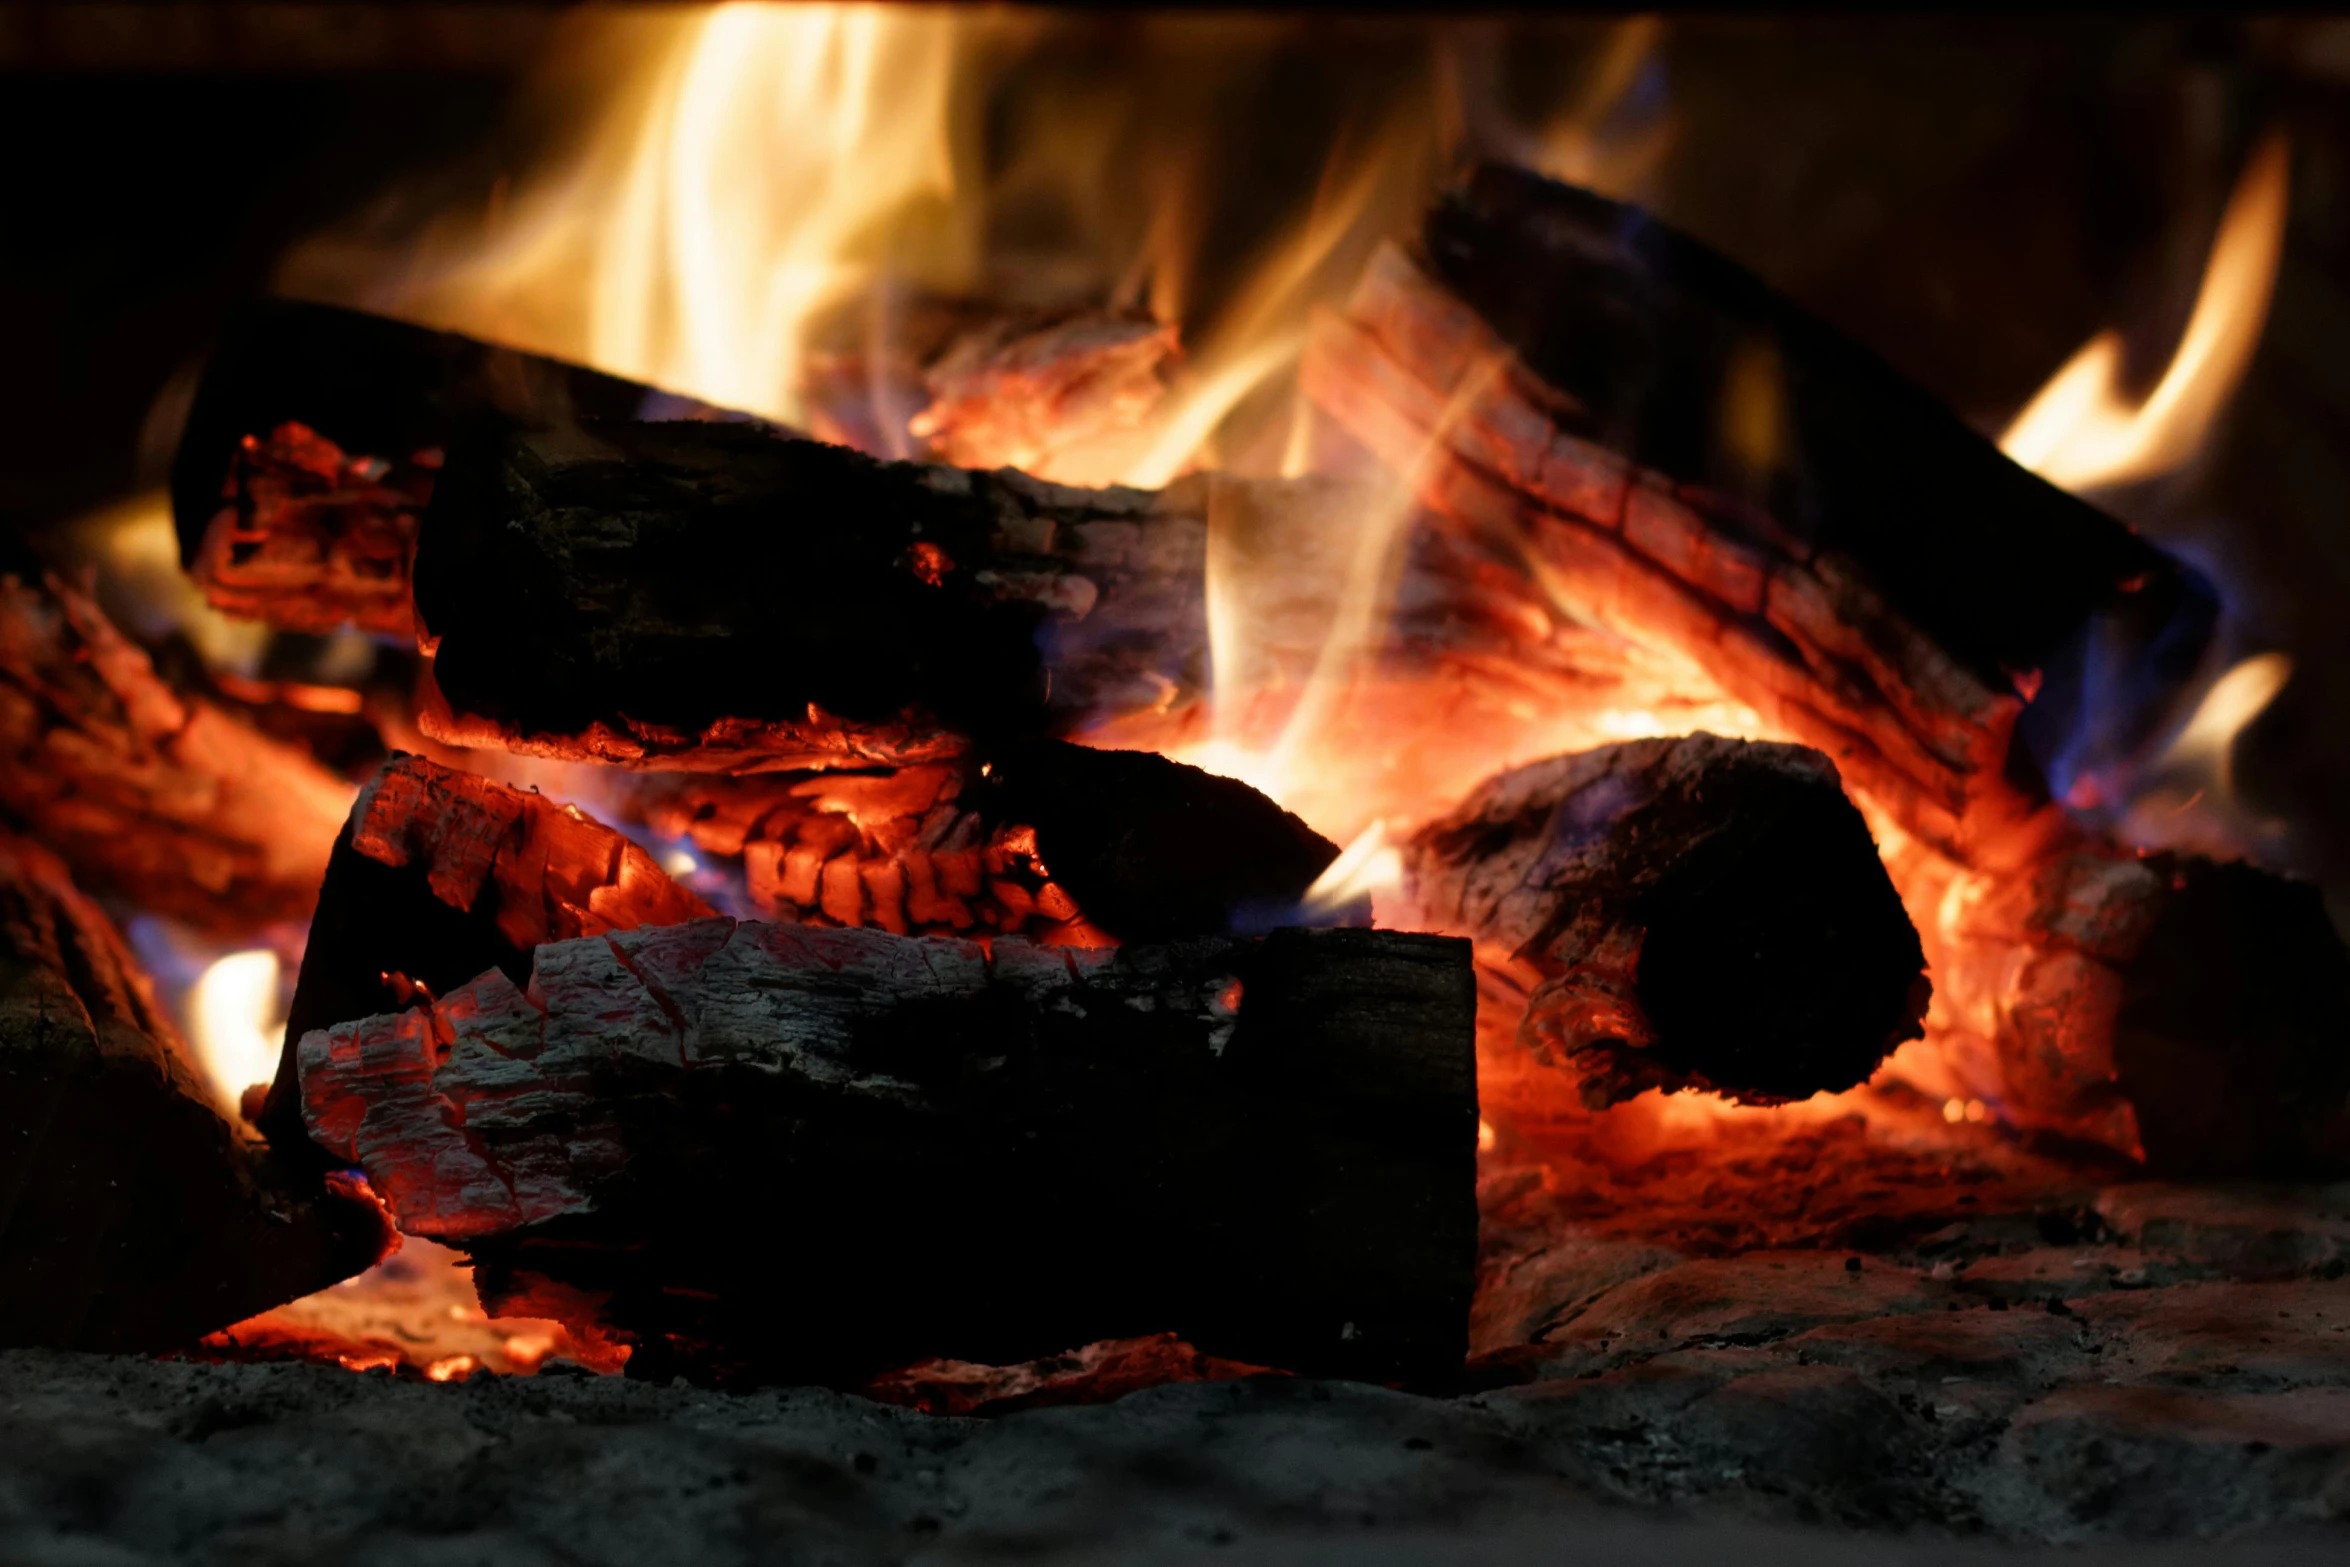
x=1554 y=368
x=1704 y=913
x=137 y=1219
x=726 y=597
x=439 y=875
x=166 y=799
x=1266 y=1147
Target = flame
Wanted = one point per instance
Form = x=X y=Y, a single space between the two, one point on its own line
x=1369 y=865
x=2081 y=431
x=2206 y=744
x=233 y=1023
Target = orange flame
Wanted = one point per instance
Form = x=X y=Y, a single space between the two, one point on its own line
x=2081 y=431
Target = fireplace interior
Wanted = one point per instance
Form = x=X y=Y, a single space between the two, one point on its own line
x=888 y=782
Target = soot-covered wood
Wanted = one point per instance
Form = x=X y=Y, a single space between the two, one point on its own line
x=1702 y=912
x=134 y=1217
x=439 y=875
x=775 y=1151
x=699 y=592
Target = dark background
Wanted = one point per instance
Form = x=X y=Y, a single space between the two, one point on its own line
x=1972 y=197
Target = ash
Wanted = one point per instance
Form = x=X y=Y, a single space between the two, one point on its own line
x=2142 y=1362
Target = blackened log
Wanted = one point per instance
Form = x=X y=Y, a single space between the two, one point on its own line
x=714 y=595
x=1154 y=850
x=1647 y=334
x=773 y=1151
x=168 y=800
x=439 y=875
x=132 y=1216
x=1705 y=913
x=376 y=387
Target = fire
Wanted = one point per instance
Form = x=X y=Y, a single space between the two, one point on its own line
x=235 y=1023
x=2083 y=431
x=2207 y=743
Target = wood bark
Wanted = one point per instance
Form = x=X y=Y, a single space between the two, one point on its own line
x=169 y=801
x=774 y=1151
x=1703 y=913
x=132 y=1217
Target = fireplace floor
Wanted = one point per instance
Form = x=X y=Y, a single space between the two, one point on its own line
x=2151 y=1361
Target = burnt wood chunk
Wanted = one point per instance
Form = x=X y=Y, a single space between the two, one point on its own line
x=132 y=1216
x=775 y=1151
x=439 y=875
x=1154 y=850
x=1705 y=913
x=168 y=800
x=698 y=592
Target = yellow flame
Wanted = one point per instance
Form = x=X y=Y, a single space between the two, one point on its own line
x=233 y=1023
x=2081 y=431
x=2207 y=743
x=1575 y=146
x=710 y=220
x=1367 y=866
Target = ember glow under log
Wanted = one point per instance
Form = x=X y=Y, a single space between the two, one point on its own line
x=135 y=1218
x=770 y=1151
x=1703 y=913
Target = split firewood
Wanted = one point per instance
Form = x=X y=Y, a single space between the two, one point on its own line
x=137 y=1219
x=167 y=800
x=1703 y=913
x=1558 y=369
x=726 y=597
x=439 y=875
x=773 y=1151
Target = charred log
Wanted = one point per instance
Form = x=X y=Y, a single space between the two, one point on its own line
x=1704 y=913
x=135 y=1217
x=772 y=1151
x=166 y=799
x=439 y=875
x=377 y=388
x=712 y=595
